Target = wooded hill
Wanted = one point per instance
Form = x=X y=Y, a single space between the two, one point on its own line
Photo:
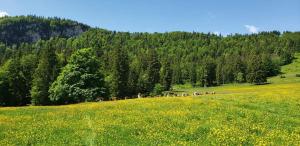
x=43 y=60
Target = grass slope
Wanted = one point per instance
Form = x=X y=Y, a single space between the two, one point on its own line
x=235 y=115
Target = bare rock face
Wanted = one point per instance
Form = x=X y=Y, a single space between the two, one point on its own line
x=34 y=36
x=76 y=30
x=30 y=29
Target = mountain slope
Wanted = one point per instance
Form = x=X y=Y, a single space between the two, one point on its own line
x=19 y=29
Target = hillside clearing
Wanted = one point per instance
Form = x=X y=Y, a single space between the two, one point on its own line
x=267 y=114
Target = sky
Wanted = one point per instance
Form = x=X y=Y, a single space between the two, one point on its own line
x=216 y=16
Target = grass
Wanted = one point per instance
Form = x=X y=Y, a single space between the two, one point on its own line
x=289 y=71
x=236 y=115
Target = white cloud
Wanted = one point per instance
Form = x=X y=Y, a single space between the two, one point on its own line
x=3 y=13
x=252 y=29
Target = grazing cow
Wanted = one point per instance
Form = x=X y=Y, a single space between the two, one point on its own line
x=184 y=94
x=99 y=99
x=196 y=93
x=139 y=95
x=170 y=94
x=114 y=98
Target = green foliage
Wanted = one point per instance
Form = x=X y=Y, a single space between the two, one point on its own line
x=153 y=68
x=12 y=84
x=166 y=76
x=157 y=90
x=4 y=84
x=28 y=65
x=240 y=77
x=255 y=70
x=44 y=75
x=80 y=80
x=120 y=71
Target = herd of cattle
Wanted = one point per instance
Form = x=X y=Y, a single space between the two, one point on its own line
x=166 y=94
x=174 y=94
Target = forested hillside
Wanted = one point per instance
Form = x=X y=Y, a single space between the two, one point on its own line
x=60 y=66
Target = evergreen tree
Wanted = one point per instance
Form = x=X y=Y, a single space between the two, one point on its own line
x=4 y=84
x=28 y=65
x=152 y=69
x=133 y=78
x=177 y=74
x=120 y=71
x=44 y=75
x=220 y=74
x=166 y=76
x=271 y=67
x=12 y=84
x=255 y=70
x=193 y=75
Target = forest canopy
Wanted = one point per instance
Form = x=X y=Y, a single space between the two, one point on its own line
x=43 y=61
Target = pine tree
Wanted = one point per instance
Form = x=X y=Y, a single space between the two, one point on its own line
x=255 y=70
x=193 y=75
x=44 y=75
x=167 y=75
x=153 y=69
x=120 y=72
x=12 y=83
x=28 y=65
x=133 y=78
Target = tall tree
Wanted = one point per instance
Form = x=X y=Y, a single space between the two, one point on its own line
x=12 y=83
x=28 y=65
x=255 y=70
x=80 y=80
x=153 y=69
x=133 y=78
x=44 y=75
x=120 y=71
x=166 y=75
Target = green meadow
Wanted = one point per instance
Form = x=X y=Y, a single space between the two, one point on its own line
x=238 y=114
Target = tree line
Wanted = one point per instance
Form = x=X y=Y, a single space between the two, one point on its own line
x=100 y=64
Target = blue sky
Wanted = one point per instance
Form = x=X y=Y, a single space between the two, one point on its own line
x=219 y=16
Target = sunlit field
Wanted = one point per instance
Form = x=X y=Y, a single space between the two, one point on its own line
x=236 y=115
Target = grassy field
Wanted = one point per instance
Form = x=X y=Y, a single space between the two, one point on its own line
x=236 y=115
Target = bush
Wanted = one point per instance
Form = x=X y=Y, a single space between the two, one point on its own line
x=282 y=76
x=297 y=75
x=157 y=90
x=240 y=77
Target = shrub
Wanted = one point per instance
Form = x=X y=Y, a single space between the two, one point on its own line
x=297 y=75
x=157 y=90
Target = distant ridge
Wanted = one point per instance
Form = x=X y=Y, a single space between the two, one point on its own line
x=29 y=29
